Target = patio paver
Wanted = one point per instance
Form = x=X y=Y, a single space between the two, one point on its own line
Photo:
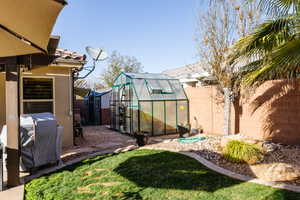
x=16 y=193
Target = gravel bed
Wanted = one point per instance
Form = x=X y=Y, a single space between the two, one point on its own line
x=282 y=158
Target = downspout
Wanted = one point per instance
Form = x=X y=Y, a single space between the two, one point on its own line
x=72 y=105
x=72 y=94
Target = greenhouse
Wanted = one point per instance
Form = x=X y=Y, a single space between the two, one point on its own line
x=152 y=104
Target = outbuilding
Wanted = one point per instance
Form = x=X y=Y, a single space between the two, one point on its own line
x=97 y=109
x=148 y=103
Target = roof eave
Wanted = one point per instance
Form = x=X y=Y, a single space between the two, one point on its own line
x=68 y=63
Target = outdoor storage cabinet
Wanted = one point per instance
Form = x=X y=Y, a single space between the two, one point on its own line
x=152 y=104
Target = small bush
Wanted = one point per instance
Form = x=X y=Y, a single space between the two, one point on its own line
x=238 y=152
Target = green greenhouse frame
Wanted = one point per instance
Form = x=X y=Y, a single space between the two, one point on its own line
x=146 y=103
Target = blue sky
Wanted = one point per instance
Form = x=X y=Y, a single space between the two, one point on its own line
x=159 y=33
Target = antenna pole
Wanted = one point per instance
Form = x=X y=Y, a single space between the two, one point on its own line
x=90 y=71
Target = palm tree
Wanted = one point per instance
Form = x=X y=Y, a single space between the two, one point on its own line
x=274 y=46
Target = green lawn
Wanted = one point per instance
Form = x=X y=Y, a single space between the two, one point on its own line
x=146 y=174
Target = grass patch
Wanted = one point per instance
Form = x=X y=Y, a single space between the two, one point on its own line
x=146 y=174
x=238 y=152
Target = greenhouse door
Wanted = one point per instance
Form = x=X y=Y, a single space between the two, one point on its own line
x=124 y=112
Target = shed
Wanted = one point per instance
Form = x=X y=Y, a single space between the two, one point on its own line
x=148 y=103
x=97 y=104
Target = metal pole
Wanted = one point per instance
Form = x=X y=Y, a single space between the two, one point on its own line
x=12 y=121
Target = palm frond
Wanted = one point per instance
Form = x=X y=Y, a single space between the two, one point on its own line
x=267 y=36
x=250 y=67
x=285 y=63
x=277 y=8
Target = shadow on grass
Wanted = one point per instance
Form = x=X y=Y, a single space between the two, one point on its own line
x=129 y=196
x=150 y=174
x=172 y=171
x=168 y=170
x=86 y=162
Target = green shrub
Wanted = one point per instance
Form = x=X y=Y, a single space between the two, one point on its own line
x=238 y=152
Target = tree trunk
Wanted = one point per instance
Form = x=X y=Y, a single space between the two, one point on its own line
x=227 y=111
x=237 y=113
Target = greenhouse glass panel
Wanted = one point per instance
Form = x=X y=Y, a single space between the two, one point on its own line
x=141 y=89
x=171 y=117
x=158 y=118
x=146 y=117
x=177 y=87
x=182 y=112
x=128 y=121
x=134 y=112
x=135 y=117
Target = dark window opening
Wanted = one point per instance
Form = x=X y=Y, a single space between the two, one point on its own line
x=37 y=95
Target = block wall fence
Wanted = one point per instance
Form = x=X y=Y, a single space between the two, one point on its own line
x=271 y=112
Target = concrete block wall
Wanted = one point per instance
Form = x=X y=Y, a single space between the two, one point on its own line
x=206 y=109
x=271 y=112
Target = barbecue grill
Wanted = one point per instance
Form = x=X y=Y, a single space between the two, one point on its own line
x=40 y=140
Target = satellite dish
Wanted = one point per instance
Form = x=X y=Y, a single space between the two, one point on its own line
x=98 y=54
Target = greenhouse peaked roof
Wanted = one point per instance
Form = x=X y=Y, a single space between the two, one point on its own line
x=147 y=76
x=150 y=86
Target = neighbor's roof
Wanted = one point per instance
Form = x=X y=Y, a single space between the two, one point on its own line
x=147 y=76
x=190 y=71
x=65 y=56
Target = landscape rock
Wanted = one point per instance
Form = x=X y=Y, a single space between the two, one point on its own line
x=281 y=172
x=270 y=147
x=194 y=131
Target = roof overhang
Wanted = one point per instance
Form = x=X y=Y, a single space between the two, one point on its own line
x=25 y=26
x=68 y=64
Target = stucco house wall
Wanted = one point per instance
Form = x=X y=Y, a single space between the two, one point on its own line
x=62 y=97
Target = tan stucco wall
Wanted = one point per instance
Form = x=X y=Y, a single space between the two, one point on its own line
x=62 y=95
